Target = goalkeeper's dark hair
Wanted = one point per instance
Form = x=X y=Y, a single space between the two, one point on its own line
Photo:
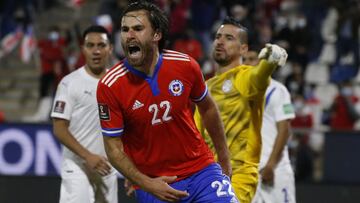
x=96 y=29
x=157 y=18
x=243 y=36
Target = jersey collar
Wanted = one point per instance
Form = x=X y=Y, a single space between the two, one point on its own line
x=151 y=80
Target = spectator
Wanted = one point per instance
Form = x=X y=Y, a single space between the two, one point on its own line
x=302 y=153
x=292 y=30
x=295 y=81
x=187 y=44
x=15 y=19
x=178 y=16
x=2 y=117
x=53 y=68
x=53 y=61
x=203 y=25
x=343 y=114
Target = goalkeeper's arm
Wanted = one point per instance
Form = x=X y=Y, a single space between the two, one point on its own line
x=271 y=56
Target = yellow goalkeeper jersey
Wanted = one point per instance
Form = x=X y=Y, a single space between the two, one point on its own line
x=240 y=98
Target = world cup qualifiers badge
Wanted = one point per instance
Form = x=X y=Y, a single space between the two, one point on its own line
x=176 y=88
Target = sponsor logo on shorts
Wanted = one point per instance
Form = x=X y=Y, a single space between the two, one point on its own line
x=59 y=107
x=104 y=112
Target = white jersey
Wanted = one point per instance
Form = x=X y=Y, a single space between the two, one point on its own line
x=278 y=107
x=75 y=101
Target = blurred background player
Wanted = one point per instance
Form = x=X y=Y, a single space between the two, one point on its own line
x=147 y=120
x=241 y=88
x=86 y=174
x=277 y=182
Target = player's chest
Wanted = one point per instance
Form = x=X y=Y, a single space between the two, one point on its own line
x=84 y=95
x=225 y=93
x=157 y=101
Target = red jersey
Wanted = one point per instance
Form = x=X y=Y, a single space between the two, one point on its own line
x=153 y=115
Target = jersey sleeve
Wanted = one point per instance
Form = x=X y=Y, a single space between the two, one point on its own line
x=199 y=89
x=280 y=102
x=63 y=101
x=246 y=84
x=110 y=115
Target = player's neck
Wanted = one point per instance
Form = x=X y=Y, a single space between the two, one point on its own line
x=225 y=68
x=150 y=62
x=96 y=73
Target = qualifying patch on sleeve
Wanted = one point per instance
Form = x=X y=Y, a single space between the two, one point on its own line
x=104 y=112
x=59 y=107
x=288 y=109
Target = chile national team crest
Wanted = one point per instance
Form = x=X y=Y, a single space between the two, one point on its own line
x=176 y=88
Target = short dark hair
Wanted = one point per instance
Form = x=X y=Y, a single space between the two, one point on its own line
x=243 y=30
x=96 y=29
x=157 y=18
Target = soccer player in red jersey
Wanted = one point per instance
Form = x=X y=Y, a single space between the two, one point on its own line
x=147 y=121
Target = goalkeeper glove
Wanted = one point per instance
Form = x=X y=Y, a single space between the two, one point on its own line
x=273 y=54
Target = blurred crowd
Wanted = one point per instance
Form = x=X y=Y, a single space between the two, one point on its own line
x=321 y=38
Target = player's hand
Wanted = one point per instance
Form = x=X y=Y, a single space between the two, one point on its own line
x=98 y=163
x=267 y=175
x=226 y=167
x=159 y=187
x=129 y=188
x=273 y=54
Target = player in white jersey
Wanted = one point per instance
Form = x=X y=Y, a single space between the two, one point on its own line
x=277 y=182
x=86 y=174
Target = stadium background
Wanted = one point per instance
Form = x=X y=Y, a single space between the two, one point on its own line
x=321 y=37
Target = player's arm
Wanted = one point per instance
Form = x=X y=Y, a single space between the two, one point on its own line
x=283 y=128
x=94 y=161
x=212 y=122
x=156 y=186
x=270 y=57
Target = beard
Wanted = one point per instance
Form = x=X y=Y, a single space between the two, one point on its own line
x=144 y=54
x=96 y=69
x=221 y=59
x=135 y=62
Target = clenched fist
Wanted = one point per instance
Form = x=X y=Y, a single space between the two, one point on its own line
x=273 y=54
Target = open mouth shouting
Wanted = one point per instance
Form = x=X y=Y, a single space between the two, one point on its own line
x=134 y=52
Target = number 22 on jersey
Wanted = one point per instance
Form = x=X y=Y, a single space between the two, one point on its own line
x=157 y=118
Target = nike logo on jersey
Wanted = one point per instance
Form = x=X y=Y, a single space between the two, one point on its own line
x=64 y=83
x=88 y=92
x=137 y=104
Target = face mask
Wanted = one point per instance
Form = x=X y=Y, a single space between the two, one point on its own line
x=288 y=6
x=281 y=21
x=53 y=35
x=301 y=22
x=346 y=91
x=298 y=105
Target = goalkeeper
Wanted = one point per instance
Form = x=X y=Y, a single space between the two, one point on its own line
x=239 y=93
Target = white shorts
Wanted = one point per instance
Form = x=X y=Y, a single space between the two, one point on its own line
x=77 y=186
x=283 y=189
